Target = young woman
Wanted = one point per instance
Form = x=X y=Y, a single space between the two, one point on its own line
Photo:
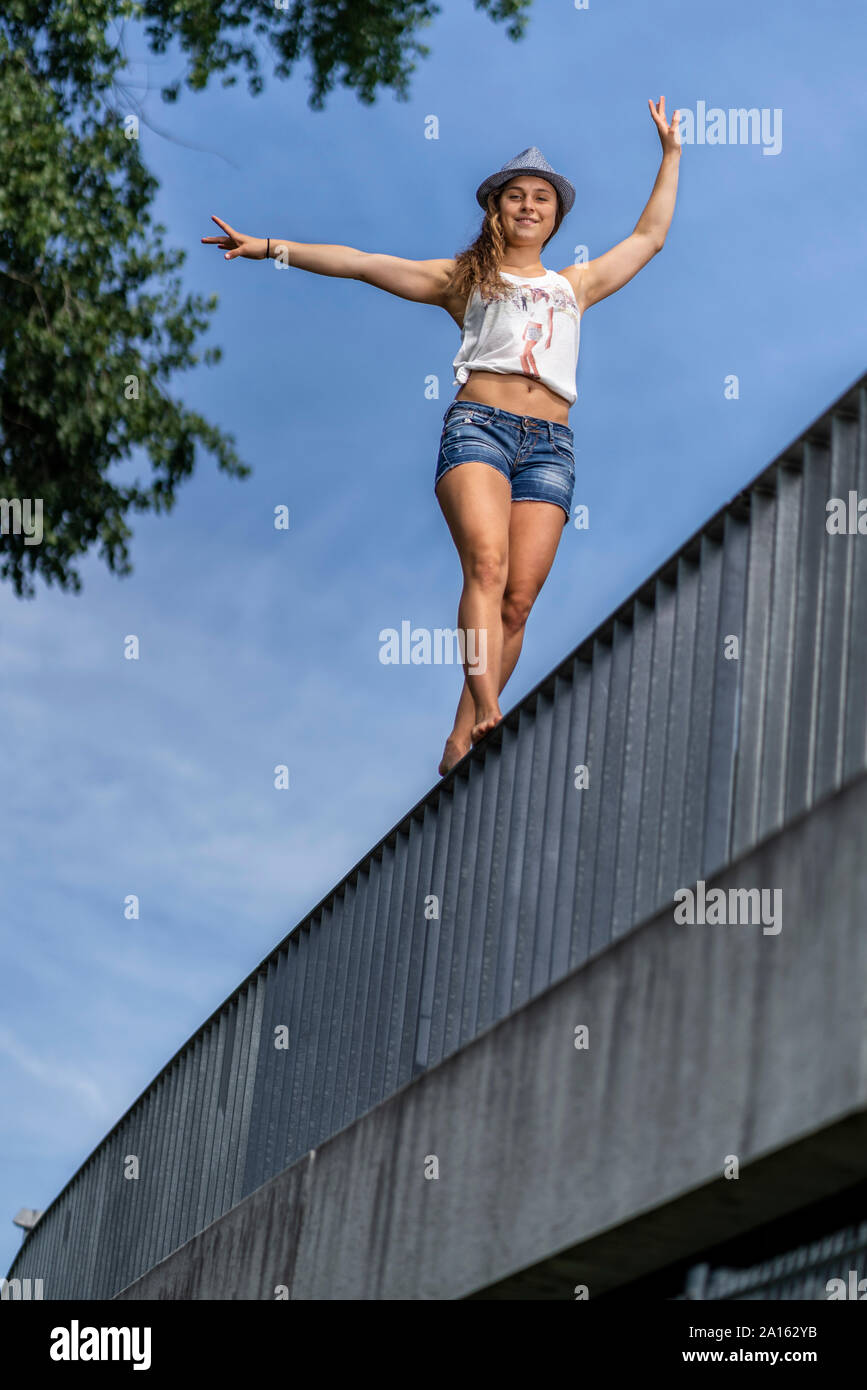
x=505 y=437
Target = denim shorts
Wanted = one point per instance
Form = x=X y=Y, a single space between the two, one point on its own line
x=535 y=456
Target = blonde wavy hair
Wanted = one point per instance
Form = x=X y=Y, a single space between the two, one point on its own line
x=479 y=263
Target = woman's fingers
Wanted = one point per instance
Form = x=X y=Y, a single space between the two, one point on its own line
x=226 y=228
x=230 y=242
x=233 y=243
x=665 y=127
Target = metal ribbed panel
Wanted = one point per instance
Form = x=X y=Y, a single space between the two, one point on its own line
x=837 y=601
x=281 y=1057
x=801 y=753
x=415 y=927
x=380 y=998
x=694 y=753
x=719 y=795
x=803 y=1273
x=433 y=890
x=708 y=655
x=356 y=995
x=534 y=732
x=611 y=776
x=120 y=1198
x=677 y=737
x=203 y=1156
x=157 y=1129
x=322 y=1021
x=77 y=1239
x=497 y=775
x=298 y=961
x=238 y=1090
x=454 y=905
x=629 y=809
x=259 y=1153
x=471 y=873
x=302 y=1037
x=591 y=802
x=74 y=1217
x=486 y=783
x=185 y=1077
x=646 y=891
x=221 y=1122
x=338 y=1044
x=754 y=655
x=404 y=869
x=781 y=637
x=173 y=1122
x=362 y=1025
x=558 y=784
x=186 y=1171
x=376 y=1003
x=513 y=810
x=855 y=734
x=232 y=1073
x=246 y=1089
x=313 y=1062
x=580 y=675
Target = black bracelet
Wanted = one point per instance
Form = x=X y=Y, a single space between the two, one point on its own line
x=268 y=250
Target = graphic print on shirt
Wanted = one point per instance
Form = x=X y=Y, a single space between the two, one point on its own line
x=551 y=300
x=526 y=327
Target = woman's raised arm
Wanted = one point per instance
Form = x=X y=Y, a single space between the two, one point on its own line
x=423 y=281
x=596 y=279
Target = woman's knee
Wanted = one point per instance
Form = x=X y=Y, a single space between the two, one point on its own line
x=515 y=609
x=486 y=567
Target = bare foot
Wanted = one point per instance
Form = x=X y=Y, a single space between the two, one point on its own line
x=484 y=725
x=455 y=749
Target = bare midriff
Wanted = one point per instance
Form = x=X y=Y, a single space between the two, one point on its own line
x=520 y=395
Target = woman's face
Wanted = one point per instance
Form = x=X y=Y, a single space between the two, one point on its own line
x=528 y=207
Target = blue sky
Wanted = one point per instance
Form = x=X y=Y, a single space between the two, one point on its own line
x=260 y=647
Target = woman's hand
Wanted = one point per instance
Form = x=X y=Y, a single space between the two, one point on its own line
x=252 y=248
x=668 y=134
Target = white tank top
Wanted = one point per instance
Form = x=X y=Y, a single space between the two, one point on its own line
x=532 y=329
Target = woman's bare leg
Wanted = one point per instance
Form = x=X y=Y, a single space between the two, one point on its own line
x=535 y=529
x=476 y=501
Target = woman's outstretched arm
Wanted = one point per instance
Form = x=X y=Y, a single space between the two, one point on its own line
x=600 y=277
x=423 y=281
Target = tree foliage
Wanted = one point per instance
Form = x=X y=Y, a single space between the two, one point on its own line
x=365 y=44
x=93 y=320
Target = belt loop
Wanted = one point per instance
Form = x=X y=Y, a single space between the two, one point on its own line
x=550 y=434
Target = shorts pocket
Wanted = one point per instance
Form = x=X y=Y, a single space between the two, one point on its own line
x=563 y=449
x=462 y=417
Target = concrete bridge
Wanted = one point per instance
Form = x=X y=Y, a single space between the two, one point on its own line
x=499 y=1060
